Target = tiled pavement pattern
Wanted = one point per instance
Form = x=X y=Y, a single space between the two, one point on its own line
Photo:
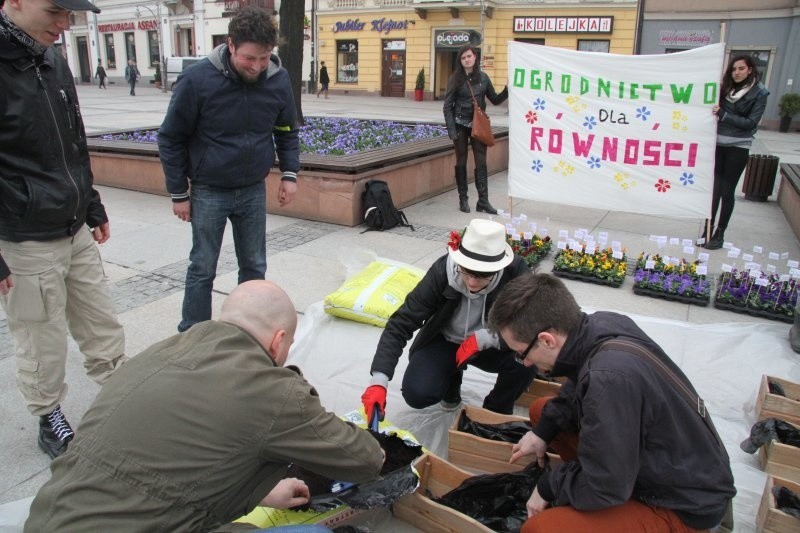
x=146 y=287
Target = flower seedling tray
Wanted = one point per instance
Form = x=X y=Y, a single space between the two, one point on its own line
x=693 y=300
x=771 y=520
x=769 y=405
x=589 y=279
x=761 y=313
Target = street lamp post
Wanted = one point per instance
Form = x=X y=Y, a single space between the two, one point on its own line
x=162 y=64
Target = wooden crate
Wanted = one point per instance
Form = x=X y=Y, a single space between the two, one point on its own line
x=774 y=406
x=539 y=388
x=484 y=455
x=770 y=519
x=780 y=460
x=437 y=477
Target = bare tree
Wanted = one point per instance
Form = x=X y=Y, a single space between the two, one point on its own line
x=292 y=14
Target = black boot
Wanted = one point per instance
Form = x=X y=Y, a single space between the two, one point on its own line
x=452 y=398
x=482 y=184
x=461 y=183
x=716 y=240
x=54 y=433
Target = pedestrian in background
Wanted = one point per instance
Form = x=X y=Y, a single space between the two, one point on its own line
x=458 y=109
x=132 y=75
x=324 y=80
x=101 y=74
x=229 y=114
x=54 y=280
x=742 y=102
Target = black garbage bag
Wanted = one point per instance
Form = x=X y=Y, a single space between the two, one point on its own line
x=505 y=432
x=496 y=500
x=786 y=500
x=769 y=429
x=775 y=388
x=397 y=478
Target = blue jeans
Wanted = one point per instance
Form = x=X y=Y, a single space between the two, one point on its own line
x=246 y=207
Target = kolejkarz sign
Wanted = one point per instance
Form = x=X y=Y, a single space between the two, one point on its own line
x=625 y=133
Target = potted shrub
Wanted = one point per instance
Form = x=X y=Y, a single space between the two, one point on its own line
x=157 y=76
x=789 y=105
x=419 y=88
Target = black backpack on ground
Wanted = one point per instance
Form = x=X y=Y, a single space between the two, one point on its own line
x=379 y=210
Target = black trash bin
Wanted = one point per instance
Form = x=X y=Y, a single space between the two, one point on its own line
x=759 y=177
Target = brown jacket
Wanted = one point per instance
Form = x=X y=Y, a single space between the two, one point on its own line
x=193 y=433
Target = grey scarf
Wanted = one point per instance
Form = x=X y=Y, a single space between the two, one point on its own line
x=12 y=32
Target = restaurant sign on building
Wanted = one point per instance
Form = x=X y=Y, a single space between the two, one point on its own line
x=684 y=38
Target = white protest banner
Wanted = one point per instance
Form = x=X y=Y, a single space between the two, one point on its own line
x=625 y=133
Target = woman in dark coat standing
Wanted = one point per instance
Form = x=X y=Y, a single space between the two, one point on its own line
x=458 y=111
x=742 y=102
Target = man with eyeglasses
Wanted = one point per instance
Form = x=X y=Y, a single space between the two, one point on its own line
x=640 y=450
x=450 y=308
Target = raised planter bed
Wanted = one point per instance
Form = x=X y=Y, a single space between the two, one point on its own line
x=328 y=187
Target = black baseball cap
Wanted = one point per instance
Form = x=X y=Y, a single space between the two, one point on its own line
x=76 y=5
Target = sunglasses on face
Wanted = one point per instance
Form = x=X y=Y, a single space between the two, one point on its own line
x=475 y=275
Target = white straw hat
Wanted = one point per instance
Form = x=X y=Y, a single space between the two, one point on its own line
x=483 y=247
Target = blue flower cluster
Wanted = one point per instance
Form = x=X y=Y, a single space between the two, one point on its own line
x=684 y=284
x=332 y=136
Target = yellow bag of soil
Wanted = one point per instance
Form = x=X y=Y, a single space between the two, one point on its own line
x=374 y=294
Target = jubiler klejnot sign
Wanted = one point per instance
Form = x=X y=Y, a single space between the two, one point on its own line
x=626 y=133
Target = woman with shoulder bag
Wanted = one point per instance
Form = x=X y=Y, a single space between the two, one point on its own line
x=742 y=102
x=466 y=81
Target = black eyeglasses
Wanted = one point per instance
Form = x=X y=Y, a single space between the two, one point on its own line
x=520 y=357
x=476 y=275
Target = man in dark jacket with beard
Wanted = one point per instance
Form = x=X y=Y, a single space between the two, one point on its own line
x=228 y=116
x=54 y=279
x=450 y=307
x=649 y=457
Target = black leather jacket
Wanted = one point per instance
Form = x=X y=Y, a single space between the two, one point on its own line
x=740 y=118
x=46 y=187
x=458 y=100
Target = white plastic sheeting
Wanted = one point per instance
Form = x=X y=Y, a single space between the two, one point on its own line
x=724 y=362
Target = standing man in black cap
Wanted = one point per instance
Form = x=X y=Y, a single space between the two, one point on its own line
x=51 y=274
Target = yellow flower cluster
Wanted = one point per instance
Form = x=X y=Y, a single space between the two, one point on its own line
x=601 y=264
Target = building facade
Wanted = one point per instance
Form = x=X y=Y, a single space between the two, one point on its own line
x=769 y=30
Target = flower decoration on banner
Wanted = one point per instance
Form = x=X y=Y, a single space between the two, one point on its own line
x=600 y=265
x=532 y=250
x=537 y=165
x=589 y=122
x=333 y=136
x=687 y=178
x=593 y=162
x=662 y=185
x=642 y=113
x=767 y=295
x=455 y=239
x=539 y=104
x=531 y=117
x=671 y=280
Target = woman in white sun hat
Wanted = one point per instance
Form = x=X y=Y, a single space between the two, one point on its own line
x=450 y=307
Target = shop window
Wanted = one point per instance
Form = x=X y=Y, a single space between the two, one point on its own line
x=152 y=45
x=130 y=46
x=111 y=53
x=594 y=46
x=529 y=40
x=347 y=61
x=674 y=50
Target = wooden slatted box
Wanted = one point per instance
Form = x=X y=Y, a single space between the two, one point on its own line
x=769 y=519
x=780 y=460
x=539 y=388
x=437 y=477
x=771 y=405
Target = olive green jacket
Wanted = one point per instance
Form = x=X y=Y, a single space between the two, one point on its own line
x=193 y=433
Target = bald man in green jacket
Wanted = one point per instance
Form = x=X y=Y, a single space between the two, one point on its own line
x=198 y=429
